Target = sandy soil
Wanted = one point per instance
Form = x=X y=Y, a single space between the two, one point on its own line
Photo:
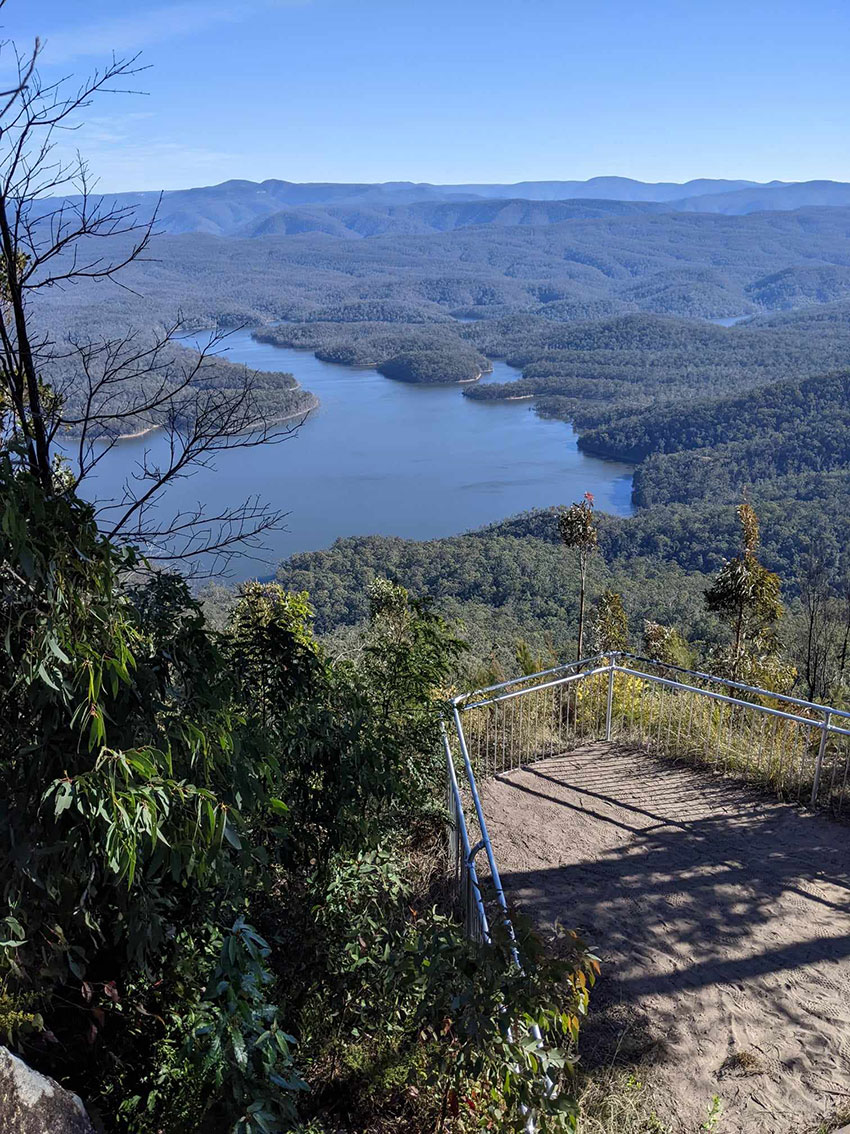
x=722 y=919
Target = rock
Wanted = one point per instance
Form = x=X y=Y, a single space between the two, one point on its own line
x=31 y=1103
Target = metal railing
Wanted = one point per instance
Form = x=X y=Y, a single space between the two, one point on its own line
x=797 y=749
x=462 y=870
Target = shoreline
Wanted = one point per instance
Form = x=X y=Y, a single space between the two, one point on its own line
x=511 y=398
x=314 y=404
x=265 y=336
x=259 y=335
x=141 y=433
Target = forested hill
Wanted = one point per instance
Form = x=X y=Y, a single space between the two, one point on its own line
x=514 y=580
x=819 y=405
x=759 y=198
x=356 y=221
x=539 y=277
x=591 y=306
x=626 y=381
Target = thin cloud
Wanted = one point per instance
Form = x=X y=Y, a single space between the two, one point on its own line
x=117 y=166
x=134 y=33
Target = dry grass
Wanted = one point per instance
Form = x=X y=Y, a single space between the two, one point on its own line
x=743 y=1063
x=618 y=1102
x=839 y=1122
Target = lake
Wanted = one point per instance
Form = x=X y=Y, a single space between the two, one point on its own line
x=730 y=320
x=390 y=458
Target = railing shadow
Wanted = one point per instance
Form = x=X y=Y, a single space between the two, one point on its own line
x=682 y=884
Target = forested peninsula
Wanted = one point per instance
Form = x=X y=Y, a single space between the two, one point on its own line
x=154 y=380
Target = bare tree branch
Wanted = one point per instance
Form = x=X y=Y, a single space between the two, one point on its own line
x=54 y=230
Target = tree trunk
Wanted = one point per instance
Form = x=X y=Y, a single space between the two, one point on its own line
x=33 y=425
x=739 y=634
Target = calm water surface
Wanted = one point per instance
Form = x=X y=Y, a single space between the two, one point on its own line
x=390 y=458
x=731 y=320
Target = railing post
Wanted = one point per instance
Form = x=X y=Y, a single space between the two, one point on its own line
x=609 y=710
x=452 y=825
x=824 y=736
x=495 y=878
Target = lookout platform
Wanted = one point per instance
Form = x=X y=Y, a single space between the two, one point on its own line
x=722 y=920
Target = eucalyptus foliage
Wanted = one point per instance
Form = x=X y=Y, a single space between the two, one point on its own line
x=611 y=623
x=747 y=597
x=579 y=531
x=209 y=848
x=131 y=780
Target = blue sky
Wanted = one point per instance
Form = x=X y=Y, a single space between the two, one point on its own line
x=456 y=90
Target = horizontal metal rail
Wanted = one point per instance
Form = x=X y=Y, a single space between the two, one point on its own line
x=531 y=677
x=463 y=708
x=712 y=677
x=654 y=679
x=611 y=658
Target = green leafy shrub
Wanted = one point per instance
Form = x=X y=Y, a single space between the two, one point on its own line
x=129 y=781
x=169 y=787
x=437 y=1018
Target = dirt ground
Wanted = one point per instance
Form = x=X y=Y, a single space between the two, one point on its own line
x=722 y=919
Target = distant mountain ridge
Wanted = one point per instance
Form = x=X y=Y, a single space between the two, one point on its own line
x=776 y=197
x=247 y=208
x=424 y=217
x=610 y=188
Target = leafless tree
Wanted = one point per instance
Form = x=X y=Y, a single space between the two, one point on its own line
x=55 y=231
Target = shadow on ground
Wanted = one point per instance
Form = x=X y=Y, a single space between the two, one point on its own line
x=722 y=919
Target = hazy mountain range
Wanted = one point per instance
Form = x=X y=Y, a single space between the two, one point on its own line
x=247 y=208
